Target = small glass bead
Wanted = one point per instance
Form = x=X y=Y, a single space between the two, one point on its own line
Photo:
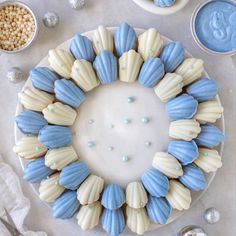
x=125 y=158
x=148 y=143
x=90 y=144
x=212 y=215
x=130 y=99
x=145 y=120
x=110 y=148
x=91 y=121
x=112 y=126
x=127 y=121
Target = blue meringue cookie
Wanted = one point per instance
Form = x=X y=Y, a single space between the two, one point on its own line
x=203 y=90
x=66 y=205
x=158 y=209
x=151 y=72
x=55 y=136
x=81 y=48
x=67 y=92
x=185 y=152
x=172 y=56
x=43 y=78
x=125 y=39
x=36 y=171
x=210 y=136
x=193 y=178
x=113 y=197
x=181 y=107
x=113 y=221
x=73 y=175
x=105 y=65
x=30 y=122
x=155 y=183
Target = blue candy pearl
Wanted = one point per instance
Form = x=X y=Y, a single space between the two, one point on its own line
x=125 y=158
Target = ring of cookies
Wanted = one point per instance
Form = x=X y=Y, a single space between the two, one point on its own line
x=50 y=109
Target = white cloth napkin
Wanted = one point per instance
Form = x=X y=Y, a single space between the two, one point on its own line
x=13 y=200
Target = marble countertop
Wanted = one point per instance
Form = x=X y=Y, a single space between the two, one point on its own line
x=221 y=193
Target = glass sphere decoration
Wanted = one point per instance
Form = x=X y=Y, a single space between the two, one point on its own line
x=51 y=19
x=15 y=74
x=211 y=215
x=192 y=230
x=76 y=4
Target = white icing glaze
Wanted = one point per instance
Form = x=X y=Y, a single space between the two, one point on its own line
x=84 y=75
x=178 y=196
x=209 y=160
x=184 y=129
x=167 y=164
x=34 y=99
x=136 y=196
x=89 y=191
x=29 y=148
x=129 y=65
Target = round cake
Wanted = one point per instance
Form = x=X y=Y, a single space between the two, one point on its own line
x=120 y=129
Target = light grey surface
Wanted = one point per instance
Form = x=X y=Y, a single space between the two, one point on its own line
x=111 y=13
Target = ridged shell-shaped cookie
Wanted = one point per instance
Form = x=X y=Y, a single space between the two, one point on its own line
x=30 y=122
x=208 y=160
x=164 y=3
x=150 y=44
x=193 y=178
x=125 y=39
x=170 y=86
x=68 y=93
x=102 y=40
x=34 y=99
x=43 y=78
x=203 y=89
x=191 y=69
x=84 y=76
x=113 y=197
x=136 y=196
x=172 y=56
x=89 y=191
x=158 y=210
x=167 y=164
x=81 y=48
x=49 y=189
x=179 y=196
x=151 y=72
x=129 y=66
x=182 y=107
x=185 y=152
x=29 y=148
x=73 y=175
x=58 y=158
x=61 y=61
x=59 y=114
x=36 y=171
x=137 y=220
x=155 y=183
x=209 y=111
x=113 y=221
x=210 y=136
x=184 y=129
x=66 y=205
x=54 y=136
x=88 y=216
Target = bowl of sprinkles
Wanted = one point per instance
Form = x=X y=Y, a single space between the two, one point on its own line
x=18 y=26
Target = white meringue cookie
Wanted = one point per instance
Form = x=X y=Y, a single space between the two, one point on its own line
x=167 y=164
x=184 y=129
x=190 y=69
x=59 y=114
x=88 y=216
x=136 y=196
x=49 y=189
x=170 y=86
x=89 y=191
x=84 y=75
x=150 y=44
x=178 y=196
x=34 y=99
x=102 y=40
x=137 y=220
x=129 y=65
x=209 y=160
x=29 y=148
x=209 y=111
x=61 y=61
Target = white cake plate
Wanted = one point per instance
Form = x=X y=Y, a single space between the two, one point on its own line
x=114 y=170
